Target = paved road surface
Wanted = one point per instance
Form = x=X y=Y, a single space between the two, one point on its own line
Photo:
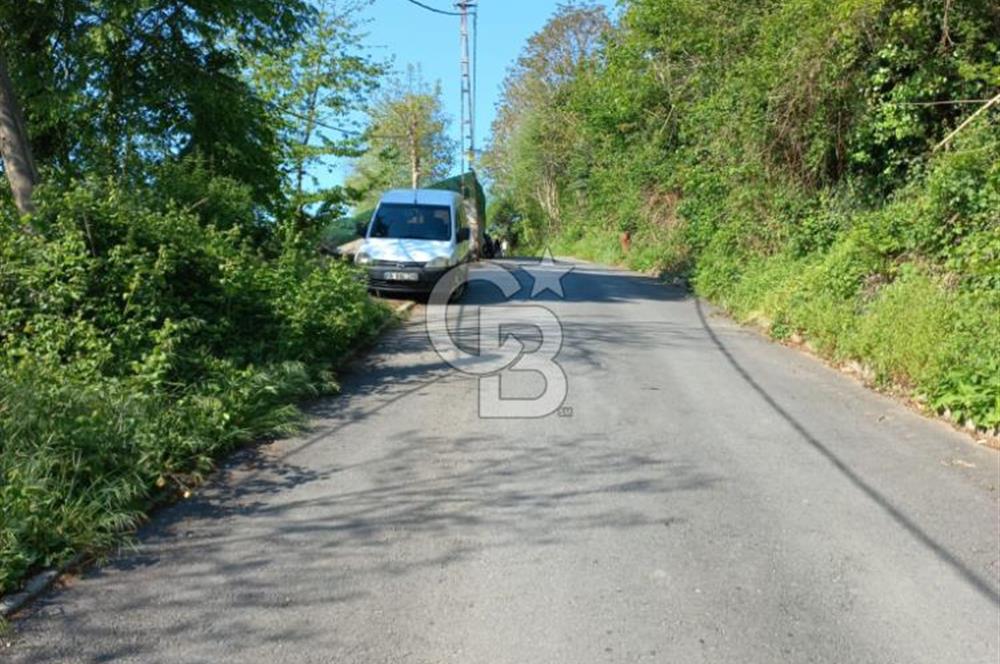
x=713 y=498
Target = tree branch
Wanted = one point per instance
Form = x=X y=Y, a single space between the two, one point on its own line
x=981 y=109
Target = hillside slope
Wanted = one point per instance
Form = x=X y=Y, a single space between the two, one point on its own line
x=797 y=159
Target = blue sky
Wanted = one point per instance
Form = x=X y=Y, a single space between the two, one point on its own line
x=408 y=34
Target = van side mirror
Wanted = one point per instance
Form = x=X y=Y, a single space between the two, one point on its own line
x=361 y=228
x=462 y=235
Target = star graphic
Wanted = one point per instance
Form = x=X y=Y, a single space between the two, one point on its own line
x=547 y=275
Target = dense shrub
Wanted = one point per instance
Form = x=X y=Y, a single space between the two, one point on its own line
x=785 y=156
x=138 y=341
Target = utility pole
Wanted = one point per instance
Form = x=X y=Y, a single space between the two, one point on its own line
x=468 y=113
x=468 y=118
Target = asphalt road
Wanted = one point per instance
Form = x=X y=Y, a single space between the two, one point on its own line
x=704 y=496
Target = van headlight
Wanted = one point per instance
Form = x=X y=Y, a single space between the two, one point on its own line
x=361 y=258
x=439 y=262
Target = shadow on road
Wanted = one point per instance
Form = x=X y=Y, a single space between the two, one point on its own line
x=287 y=528
x=268 y=536
x=582 y=284
x=981 y=585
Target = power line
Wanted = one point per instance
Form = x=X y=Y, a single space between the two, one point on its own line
x=468 y=73
x=434 y=9
x=953 y=102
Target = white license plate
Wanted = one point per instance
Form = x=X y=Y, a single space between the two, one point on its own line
x=401 y=276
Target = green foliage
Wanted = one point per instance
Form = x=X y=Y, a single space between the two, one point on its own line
x=504 y=219
x=168 y=301
x=312 y=85
x=783 y=155
x=536 y=158
x=249 y=88
x=138 y=341
x=111 y=86
x=408 y=143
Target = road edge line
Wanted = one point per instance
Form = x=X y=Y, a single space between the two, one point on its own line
x=35 y=586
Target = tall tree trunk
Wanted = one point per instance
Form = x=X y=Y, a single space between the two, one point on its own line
x=300 y=165
x=414 y=155
x=18 y=164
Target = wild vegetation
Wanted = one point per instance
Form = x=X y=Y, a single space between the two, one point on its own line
x=827 y=169
x=161 y=296
x=408 y=144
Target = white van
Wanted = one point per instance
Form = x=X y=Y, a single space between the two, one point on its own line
x=414 y=237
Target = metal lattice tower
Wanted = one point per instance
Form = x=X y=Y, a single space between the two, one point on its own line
x=468 y=114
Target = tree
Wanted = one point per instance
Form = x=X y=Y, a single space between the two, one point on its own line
x=15 y=149
x=113 y=87
x=535 y=133
x=312 y=86
x=408 y=142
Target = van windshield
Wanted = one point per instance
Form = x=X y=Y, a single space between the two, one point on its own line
x=412 y=222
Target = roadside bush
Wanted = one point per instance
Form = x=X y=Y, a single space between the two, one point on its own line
x=812 y=191
x=138 y=341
